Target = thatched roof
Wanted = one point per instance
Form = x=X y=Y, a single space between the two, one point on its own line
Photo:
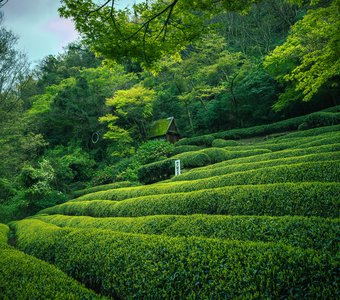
x=160 y=127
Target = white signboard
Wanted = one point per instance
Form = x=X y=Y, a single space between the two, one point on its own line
x=177 y=167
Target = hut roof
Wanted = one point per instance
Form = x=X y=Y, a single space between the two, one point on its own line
x=160 y=127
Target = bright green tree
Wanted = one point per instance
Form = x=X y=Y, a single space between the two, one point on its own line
x=309 y=59
x=132 y=110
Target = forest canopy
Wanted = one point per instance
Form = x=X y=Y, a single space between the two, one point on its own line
x=81 y=118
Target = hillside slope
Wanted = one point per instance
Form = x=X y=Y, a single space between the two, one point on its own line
x=264 y=225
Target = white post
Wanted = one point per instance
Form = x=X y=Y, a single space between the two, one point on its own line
x=177 y=167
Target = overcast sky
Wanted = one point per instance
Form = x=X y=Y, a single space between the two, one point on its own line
x=40 y=29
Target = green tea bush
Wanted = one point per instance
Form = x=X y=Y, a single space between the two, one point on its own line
x=305 y=199
x=163 y=169
x=320 y=119
x=203 y=140
x=26 y=277
x=286 y=125
x=127 y=266
x=305 y=232
x=104 y=187
x=166 y=168
x=153 y=150
x=186 y=148
x=275 y=155
x=310 y=132
x=220 y=143
x=4 y=230
x=328 y=171
x=203 y=173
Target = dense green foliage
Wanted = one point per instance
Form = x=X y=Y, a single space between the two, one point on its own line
x=291 y=230
x=255 y=213
x=186 y=263
x=306 y=199
x=26 y=277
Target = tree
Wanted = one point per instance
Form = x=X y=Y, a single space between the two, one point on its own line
x=132 y=110
x=150 y=30
x=309 y=59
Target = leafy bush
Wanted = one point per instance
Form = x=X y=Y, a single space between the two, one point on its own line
x=105 y=187
x=281 y=126
x=203 y=140
x=220 y=143
x=128 y=266
x=26 y=277
x=152 y=151
x=305 y=232
x=186 y=148
x=231 y=168
x=305 y=199
x=166 y=168
x=328 y=171
x=320 y=119
x=276 y=155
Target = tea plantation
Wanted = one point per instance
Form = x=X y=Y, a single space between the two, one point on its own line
x=244 y=220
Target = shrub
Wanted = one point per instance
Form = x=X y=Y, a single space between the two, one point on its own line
x=186 y=148
x=276 y=155
x=305 y=232
x=305 y=199
x=26 y=277
x=220 y=143
x=104 y=187
x=152 y=151
x=313 y=171
x=203 y=140
x=320 y=119
x=205 y=173
x=309 y=132
x=166 y=168
x=4 y=230
x=129 y=266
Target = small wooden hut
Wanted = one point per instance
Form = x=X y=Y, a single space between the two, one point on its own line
x=164 y=129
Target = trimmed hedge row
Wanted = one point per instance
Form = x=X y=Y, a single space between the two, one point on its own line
x=305 y=199
x=221 y=143
x=275 y=155
x=203 y=140
x=103 y=187
x=199 y=173
x=26 y=277
x=320 y=119
x=4 y=230
x=327 y=171
x=186 y=148
x=127 y=266
x=319 y=140
x=310 y=132
x=285 y=125
x=164 y=169
x=312 y=232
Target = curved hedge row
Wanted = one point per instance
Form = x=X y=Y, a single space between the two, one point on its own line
x=319 y=119
x=202 y=140
x=305 y=232
x=199 y=173
x=309 y=132
x=147 y=266
x=186 y=148
x=275 y=155
x=327 y=117
x=163 y=169
x=103 y=187
x=26 y=277
x=221 y=143
x=327 y=171
x=305 y=199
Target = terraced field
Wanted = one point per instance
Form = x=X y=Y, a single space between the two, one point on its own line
x=247 y=221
